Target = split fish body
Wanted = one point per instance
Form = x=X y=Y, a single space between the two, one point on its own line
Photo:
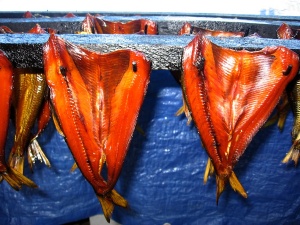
x=92 y=24
x=96 y=98
x=13 y=177
x=187 y=28
x=230 y=95
x=287 y=32
x=293 y=96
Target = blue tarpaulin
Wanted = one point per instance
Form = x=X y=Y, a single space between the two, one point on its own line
x=162 y=177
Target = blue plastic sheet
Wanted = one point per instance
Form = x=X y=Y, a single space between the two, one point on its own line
x=162 y=177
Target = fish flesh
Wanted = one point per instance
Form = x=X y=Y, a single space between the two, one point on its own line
x=230 y=95
x=96 y=99
x=187 y=28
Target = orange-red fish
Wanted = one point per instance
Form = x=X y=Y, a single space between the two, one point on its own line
x=187 y=28
x=13 y=177
x=5 y=30
x=96 y=98
x=92 y=24
x=230 y=95
x=287 y=32
x=291 y=98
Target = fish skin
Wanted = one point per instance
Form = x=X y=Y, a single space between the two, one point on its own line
x=187 y=28
x=229 y=106
x=13 y=177
x=291 y=99
x=29 y=90
x=92 y=106
x=29 y=97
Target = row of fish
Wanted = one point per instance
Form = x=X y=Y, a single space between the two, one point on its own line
x=228 y=94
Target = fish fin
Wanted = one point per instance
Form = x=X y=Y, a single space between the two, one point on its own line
x=294 y=152
x=179 y=111
x=184 y=109
x=107 y=207
x=139 y=129
x=16 y=179
x=109 y=200
x=220 y=187
x=74 y=167
x=236 y=185
x=16 y=162
x=57 y=125
x=209 y=170
x=118 y=199
x=272 y=120
x=35 y=152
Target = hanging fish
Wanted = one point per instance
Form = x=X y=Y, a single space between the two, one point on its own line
x=187 y=28
x=230 y=95
x=5 y=30
x=29 y=98
x=12 y=176
x=95 y=25
x=96 y=99
x=291 y=99
x=283 y=107
x=287 y=32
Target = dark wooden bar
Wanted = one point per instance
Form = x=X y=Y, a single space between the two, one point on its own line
x=25 y=50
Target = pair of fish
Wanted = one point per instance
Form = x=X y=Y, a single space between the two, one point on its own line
x=96 y=99
x=95 y=25
x=230 y=94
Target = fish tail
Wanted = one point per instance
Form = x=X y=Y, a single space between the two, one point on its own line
x=209 y=170
x=109 y=200
x=234 y=183
x=220 y=187
x=16 y=179
x=35 y=152
x=74 y=167
x=294 y=152
x=16 y=162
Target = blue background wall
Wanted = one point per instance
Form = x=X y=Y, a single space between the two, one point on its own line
x=162 y=177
